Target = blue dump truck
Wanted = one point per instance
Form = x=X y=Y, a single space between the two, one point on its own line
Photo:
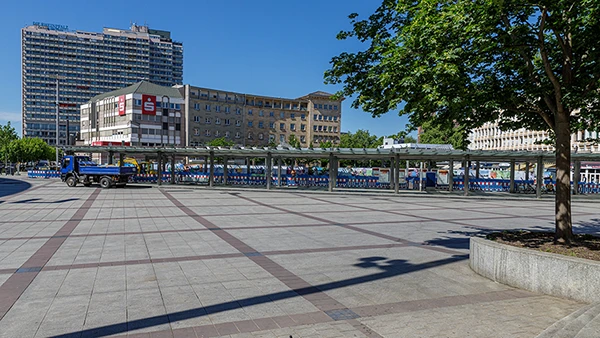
x=80 y=169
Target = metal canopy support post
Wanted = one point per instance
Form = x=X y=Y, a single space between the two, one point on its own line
x=467 y=175
x=248 y=170
x=477 y=169
x=110 y=157
x=159 y=170
x=451 y=175
x=205 y=165
x=527 y=168
x=392 y=173
x=279 y=171
x=511 y=186
x=539 y=179
x=421 y=177
x=331 y=172
x=211 y=170
x=269 y=171
x=397 y=175
x=576 y=177
x=173 y=169
x=121 y=158
x=406 y=171
x=225 y=170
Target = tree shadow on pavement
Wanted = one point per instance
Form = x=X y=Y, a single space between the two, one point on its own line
x=387 y=269
x=458 y=239
x=9 y=186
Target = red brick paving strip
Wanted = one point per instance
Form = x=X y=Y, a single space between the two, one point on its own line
x=289 y=321
x=16 y=284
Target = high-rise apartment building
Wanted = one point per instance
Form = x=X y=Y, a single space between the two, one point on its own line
x=87 y=64
x=256 y=120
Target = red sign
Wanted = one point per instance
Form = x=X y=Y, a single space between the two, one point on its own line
x=148 y=105
x=108 y=143
x=121 y=105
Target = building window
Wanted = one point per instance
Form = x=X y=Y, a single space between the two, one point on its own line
x=227 y=109
x=320 y=117
x=207 y=120
x=207 y=132
x=217 y=108
x=238 y=123
x=238 y=111
x=315 y=105
x=292 y=116
x=315 y=117
x=216 y=133
x=217 y=120
x=282 y=126
x=197 y=106
x=334 y=107
x=303 y=139
x=292 y=126
x=261 y=124
x=320 y=106
x=329 y=128
x=330 y=118
x=250 y=136
x=282 y=115
x=281 y=138
x=330 y=107
x=335 y=118
x=177 y=106
x=325 y=107
x=196 y=118
x=303 y=116
x=272 y=114
x=249 y=123
x=303 y=127
x=207 y=107
x=237 y=135
x=138 y=102
x=226 y=122
x=320 y=128
x=272 y=125
x=261 y=113
x=227 y=134
x=196 y=131
x=335 y=129
x=261 y=136
x=315 y=128
x=249 y=111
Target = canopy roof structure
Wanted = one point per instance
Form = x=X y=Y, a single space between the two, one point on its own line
x=341 y=153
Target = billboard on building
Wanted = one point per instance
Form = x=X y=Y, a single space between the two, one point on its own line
x=121 y=105
x=148 y=105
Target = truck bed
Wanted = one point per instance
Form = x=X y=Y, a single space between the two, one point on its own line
x=107 y=170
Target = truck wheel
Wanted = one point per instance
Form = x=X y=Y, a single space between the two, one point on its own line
x=71 y=181
x=105 y=182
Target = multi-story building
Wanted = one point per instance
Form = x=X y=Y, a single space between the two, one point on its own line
x=490 y=137
x=250 y=120
x=87 y=64
x=143 y=114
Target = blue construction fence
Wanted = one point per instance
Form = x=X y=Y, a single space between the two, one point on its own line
x=364 y=182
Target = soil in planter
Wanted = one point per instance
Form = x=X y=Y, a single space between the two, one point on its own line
x=584 y=246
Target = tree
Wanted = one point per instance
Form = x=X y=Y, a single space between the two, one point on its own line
x=293 y=141
x=7 y=135
x=221 y=142
x=435 y=133
x=523 y=63
x=30 y=149
x=326 y=144
x=360 y=139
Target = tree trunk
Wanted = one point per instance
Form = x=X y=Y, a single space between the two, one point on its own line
x=564 y=226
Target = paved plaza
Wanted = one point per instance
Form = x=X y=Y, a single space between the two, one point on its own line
x=183 y=262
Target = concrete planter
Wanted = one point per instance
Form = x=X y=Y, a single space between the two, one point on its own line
x=551 y=274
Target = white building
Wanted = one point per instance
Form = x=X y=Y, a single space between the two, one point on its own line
x=143 y=114
x=490 y=137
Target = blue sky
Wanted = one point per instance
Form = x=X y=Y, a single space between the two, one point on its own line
x=268 y=47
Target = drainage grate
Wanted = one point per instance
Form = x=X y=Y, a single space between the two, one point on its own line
x=342 y=314
x=34 y=269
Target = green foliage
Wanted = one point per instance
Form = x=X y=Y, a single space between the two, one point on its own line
x=30 y=149
x=293 y=141
x=469 y=62
x=436 y=133
x=272 y=144
x=221 y=142
x=360 y=139
x=7 y=135
x=326 y=144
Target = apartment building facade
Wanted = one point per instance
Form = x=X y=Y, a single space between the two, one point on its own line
x=87 y=64
x=490 y=137
x=257 y=120
x=143 y=114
